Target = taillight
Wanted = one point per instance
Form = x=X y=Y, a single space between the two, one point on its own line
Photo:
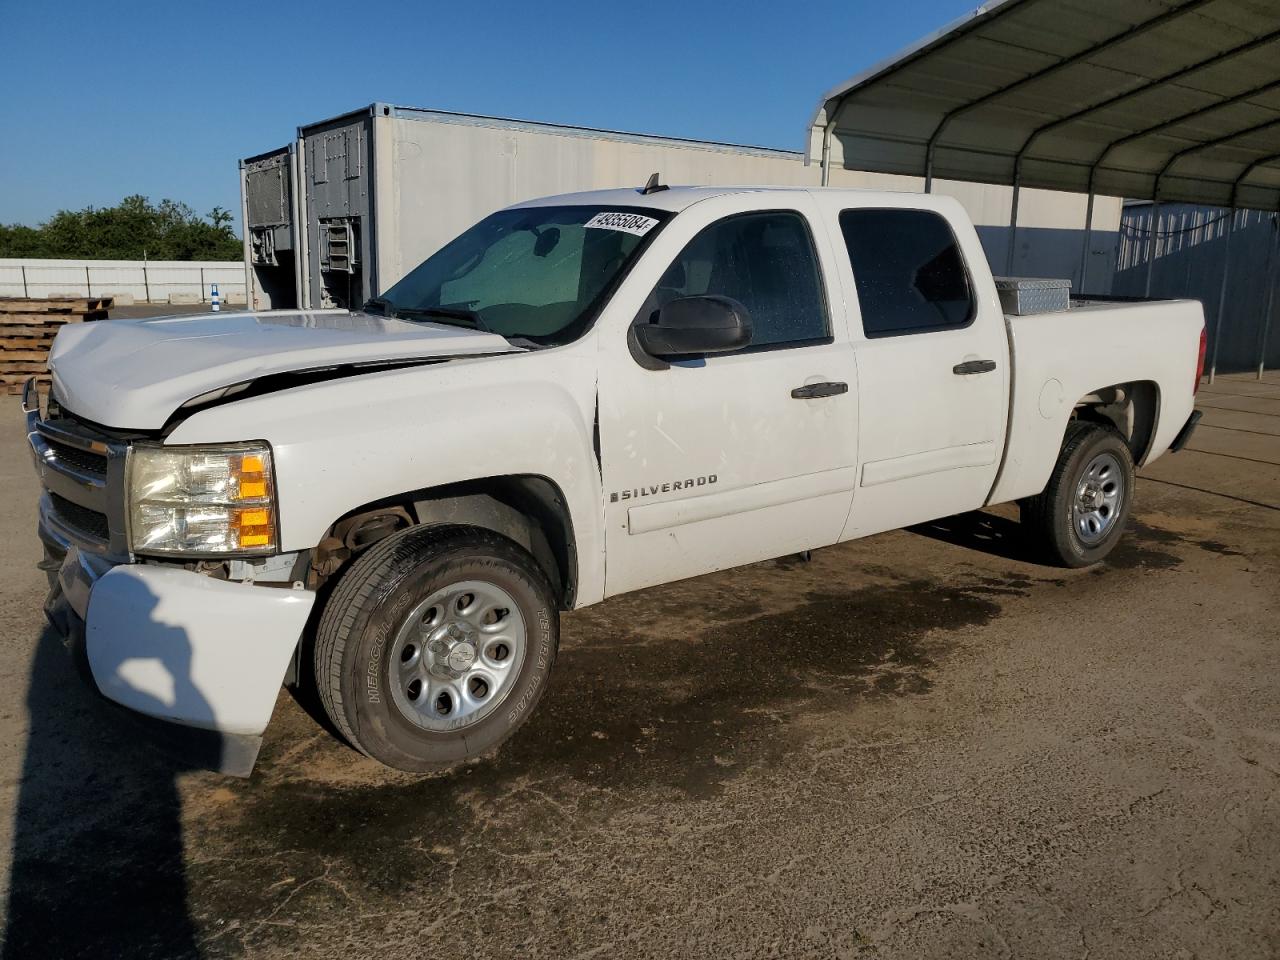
x=1204 y=341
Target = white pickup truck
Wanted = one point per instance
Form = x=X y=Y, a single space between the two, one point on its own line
x=579 y=396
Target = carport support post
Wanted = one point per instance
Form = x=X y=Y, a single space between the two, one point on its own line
x=1265 y=327
x=826 y=152
x=1088 y=242
x=1222 y=296
x=1013 y=226
x=1153 y=234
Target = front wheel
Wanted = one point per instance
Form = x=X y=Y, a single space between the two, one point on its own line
x=435 y=647
x=1081 y=514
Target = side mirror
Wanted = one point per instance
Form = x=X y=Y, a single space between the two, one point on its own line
x=691 y=326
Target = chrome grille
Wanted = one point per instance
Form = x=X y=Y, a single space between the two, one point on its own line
x=83 y=460
x=82 y=471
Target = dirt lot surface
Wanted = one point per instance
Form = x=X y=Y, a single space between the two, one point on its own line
x=917 y=745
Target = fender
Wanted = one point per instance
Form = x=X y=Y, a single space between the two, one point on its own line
x=344 y=443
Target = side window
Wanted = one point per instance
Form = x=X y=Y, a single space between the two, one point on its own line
x=908 y=270
x=765 y=261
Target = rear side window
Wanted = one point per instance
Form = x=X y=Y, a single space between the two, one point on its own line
x=765 y=261
x=908 y=270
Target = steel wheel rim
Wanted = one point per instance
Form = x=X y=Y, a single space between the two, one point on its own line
x=1099 y=499
x=456 y=655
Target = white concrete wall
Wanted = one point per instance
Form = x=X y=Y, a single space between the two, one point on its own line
x=155 y=281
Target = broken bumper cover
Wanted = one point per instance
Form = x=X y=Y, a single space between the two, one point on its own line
x=204 y=656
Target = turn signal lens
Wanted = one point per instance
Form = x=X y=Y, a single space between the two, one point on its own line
x=254 y=527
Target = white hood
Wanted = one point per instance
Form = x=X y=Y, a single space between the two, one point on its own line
x=133 y=374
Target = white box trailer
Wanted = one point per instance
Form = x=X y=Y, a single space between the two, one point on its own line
x=385 y=187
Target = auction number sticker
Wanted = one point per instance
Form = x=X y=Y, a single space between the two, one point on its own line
x=626 y=222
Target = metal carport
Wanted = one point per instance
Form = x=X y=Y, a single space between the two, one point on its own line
x=1145 y=99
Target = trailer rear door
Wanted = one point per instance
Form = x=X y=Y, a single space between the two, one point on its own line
x=339 y=203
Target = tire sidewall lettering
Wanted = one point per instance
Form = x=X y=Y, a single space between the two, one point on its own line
x=380 y=633
x=543 y=660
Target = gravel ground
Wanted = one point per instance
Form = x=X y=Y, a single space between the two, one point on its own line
x=916 y=745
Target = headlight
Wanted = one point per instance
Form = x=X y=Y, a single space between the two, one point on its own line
x=202 y=500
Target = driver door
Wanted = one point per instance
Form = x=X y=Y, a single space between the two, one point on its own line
x=726 y=459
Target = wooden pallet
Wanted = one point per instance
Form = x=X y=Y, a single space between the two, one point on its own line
x=39 y=332
x=27 y=329
x=11 y=356
x=12 y=384
x=53 y=319
x=57 y=305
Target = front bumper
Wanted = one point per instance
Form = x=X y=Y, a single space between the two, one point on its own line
x=205 y=656
x=208 y=655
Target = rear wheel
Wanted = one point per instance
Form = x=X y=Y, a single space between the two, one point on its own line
x=436 y=646
x=1081 y=514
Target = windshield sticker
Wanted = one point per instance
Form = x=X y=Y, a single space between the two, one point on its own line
x=626 y=222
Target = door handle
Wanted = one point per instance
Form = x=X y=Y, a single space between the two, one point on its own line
x=973 y=366
x=812 y=391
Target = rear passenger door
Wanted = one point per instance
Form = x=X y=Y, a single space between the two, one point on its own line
x=932 y=360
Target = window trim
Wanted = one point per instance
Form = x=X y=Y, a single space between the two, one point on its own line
x=910 y=331
x=642 y=316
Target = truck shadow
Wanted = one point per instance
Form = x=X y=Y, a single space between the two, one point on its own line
x=97 y=858
x=675 y=692
x=985 y=532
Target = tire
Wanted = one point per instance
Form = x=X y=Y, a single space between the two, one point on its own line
x=400 y=615
x=1094 y=461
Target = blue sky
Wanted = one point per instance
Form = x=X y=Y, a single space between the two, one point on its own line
x=105 y=99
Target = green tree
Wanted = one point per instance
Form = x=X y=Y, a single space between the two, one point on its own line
x=135 y=227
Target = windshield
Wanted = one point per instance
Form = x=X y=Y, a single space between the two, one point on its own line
x=541 y=272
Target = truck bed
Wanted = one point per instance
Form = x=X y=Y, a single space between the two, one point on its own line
x=1059 y=358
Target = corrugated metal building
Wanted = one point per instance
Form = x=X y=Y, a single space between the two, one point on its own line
x=1185 y=255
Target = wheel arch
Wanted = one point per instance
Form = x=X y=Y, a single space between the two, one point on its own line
x=528 y=509
x=1132 y=408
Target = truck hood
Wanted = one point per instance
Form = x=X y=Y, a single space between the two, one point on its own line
x=133 y=374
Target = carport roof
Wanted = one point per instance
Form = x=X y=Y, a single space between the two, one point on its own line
x=1147 y=99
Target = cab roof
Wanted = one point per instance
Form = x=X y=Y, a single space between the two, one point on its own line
x=674 y=199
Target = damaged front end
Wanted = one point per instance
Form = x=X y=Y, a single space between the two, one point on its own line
x=200 y=645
